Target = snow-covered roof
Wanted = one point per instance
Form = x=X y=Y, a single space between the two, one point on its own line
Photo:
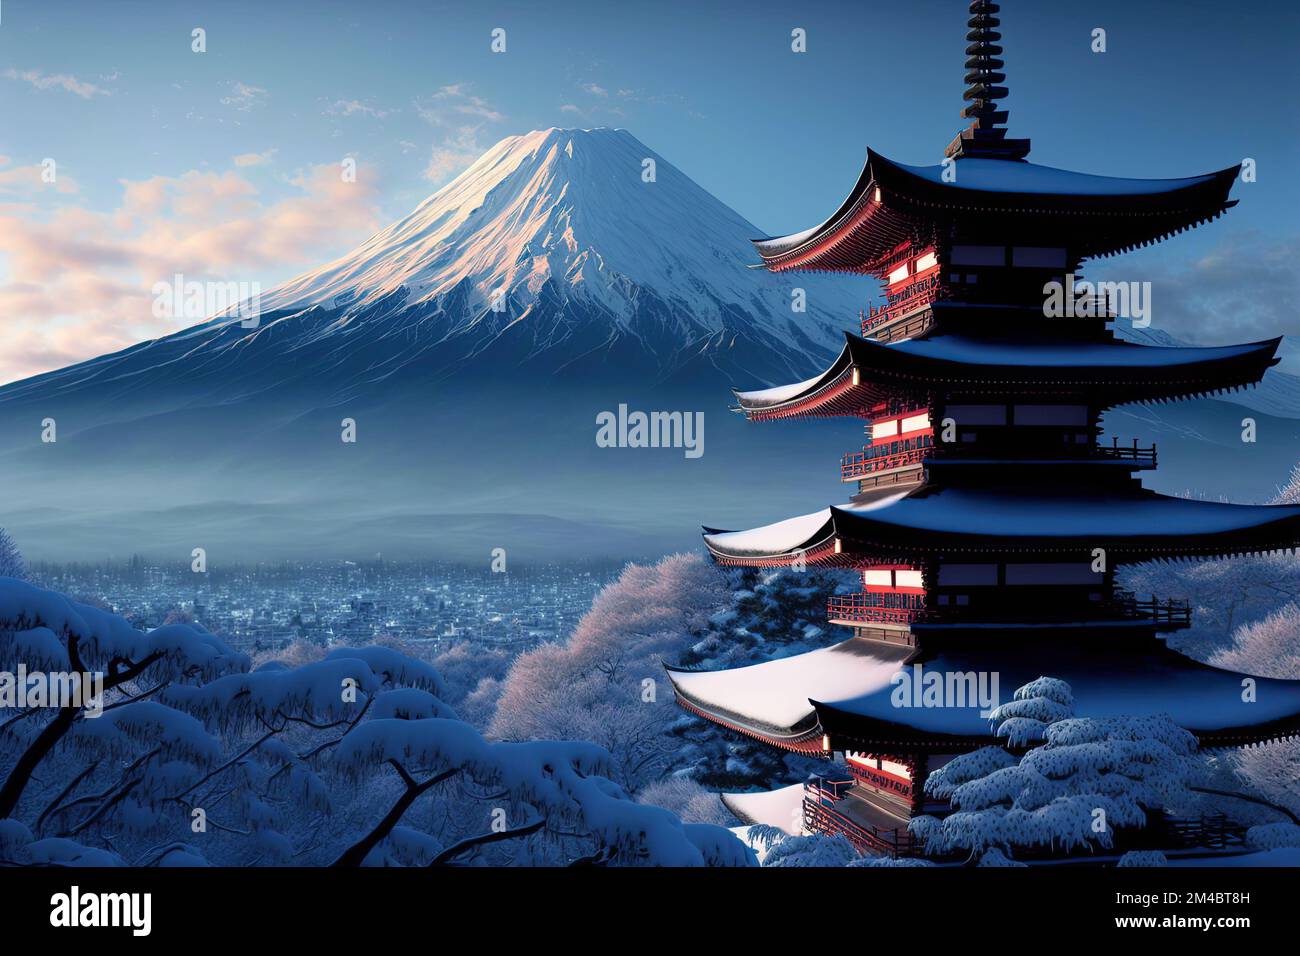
x=854 y=690
x=783 y=537
x=781 y=808
x=1027 y=515
x=887 y=195
x=1064 y=354
x=779 y=393
x=1127 y=371
x=1013 y=176
x=772 y=697
x=1126 y=675
x=976 y=518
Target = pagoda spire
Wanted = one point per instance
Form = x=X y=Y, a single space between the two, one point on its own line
x=985 y=136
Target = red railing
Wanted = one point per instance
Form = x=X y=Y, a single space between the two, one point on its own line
x=868 y=609
x=819 y=818
x=883 y=779
x=922 y=291
x=857 y=466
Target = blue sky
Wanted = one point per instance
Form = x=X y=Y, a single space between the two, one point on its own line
x=225 y=155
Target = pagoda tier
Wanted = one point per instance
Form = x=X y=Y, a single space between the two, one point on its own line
x=893 y=205
x=863 y=695
x=1106 y=373
x=936 y=523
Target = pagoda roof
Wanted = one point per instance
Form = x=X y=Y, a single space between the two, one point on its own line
x=848 y=691
x=1122 y=371
x=928 y=521
x=1132 y=676
x=781 y=808
x=769 y=701
x=892 y=203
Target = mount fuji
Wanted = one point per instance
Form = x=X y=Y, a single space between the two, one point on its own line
x=473 y=343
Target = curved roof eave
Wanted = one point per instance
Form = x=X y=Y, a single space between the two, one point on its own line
x=1148 y=525
x=911 y=358
x=756 y=399
x=1050 y=185
x=793 y=239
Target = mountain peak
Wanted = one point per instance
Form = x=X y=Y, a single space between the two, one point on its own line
x=588 y=213
x=557 y=248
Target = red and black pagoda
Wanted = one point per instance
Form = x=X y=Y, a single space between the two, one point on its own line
x=989 y=513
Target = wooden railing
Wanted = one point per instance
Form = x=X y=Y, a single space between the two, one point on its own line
x=859 y=465
x=920 y=292
x=1175 y=612
x=820 y=818
x=868 y=608
x=1134 y=452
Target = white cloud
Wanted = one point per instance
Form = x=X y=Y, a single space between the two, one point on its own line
x=356 y=108
x=244 y=97
x=58 y=81
x=79 y=281
x=450 y=102
x=255 y=159
x=453 y=154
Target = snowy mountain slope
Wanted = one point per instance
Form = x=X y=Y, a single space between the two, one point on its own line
x=596 y=270
x=568 y=206
x=615 y=290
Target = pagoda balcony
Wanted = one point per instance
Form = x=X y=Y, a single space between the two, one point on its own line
x=919 y=294
x=1019 y=451
x=863 y=464
x=822 y=813
x=1144 y=455
x=867 y=608
x=1171 y=612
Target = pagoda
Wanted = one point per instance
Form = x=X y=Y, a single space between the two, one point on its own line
x=988 y=513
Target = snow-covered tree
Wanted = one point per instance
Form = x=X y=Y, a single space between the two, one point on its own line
x=352 y=759
x=12 y=564
x=606 y=683
x=688 y=800
x=1088 y=777
x=815 y=850
x=1269 y=647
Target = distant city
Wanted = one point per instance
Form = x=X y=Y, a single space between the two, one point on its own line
x=267 y=607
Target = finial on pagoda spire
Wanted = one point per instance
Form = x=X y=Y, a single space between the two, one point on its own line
x=985 y=136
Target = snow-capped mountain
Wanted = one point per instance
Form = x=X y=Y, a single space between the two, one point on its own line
x=581 y=210
x=551 y=251
x=564 y=273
